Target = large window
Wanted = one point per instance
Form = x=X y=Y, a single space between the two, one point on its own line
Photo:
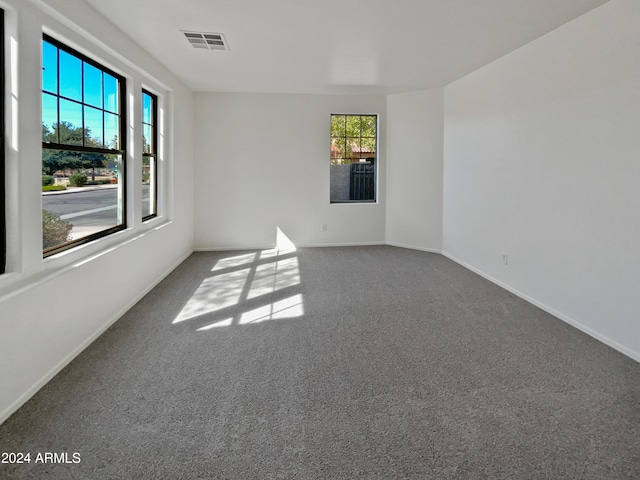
x=353 y=158
x=149 y=155
x=83 y=153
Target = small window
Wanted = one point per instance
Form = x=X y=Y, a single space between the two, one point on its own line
x=83 y=155
x=353 y=158
x=149 y=155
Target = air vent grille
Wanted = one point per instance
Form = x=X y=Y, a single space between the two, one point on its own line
x=206 y=40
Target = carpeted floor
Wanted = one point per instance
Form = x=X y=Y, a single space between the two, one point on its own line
x=367 y=362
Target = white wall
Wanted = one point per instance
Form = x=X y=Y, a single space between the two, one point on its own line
x=50 y=309
x=262 y=162
x=415 y=132
x=541 y=161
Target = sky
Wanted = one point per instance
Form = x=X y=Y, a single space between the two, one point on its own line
x=83 y=95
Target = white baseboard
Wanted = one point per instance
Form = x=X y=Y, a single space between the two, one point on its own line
x=343 y=244
x=565 y=318
x=22 y=399
x=231 y=249
x=312 y=245
x=413 y=247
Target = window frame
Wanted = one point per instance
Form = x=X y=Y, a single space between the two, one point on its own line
x=122 y=133
x=153 y=147
x=345 y=137
x=3 y=176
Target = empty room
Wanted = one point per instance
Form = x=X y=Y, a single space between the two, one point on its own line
x=320 y=239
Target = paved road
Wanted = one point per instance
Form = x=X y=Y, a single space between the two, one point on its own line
x=88 y=208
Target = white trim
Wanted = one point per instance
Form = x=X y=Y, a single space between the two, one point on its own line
x=356 y=202
x=411 y=247
x=22 y=399
x=318 y=245
x=77 y=256
x=565 y=318
x=232 y=249
x=347 y=244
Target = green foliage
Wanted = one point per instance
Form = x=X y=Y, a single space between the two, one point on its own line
x=53 y=188
x=369 y=126
x=48 y=180
x=55 y=231
x=78 y=180
x=146 y=169
x=352 y=137
x=146 y=145
x=66 y=133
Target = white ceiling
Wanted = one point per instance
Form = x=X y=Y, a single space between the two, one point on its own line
x=335 y=46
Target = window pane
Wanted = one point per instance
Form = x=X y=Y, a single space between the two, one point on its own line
x=353 y=126
x=92 y=86
x=80 y=212
x=70 y=128
x=70 y=76
x=148 y=186
x=49 y=68
x=111 y=130
x=353 y=149
x=356 y=149
x=49 y=118
x=368 y=148
x=146 y=108
x=337 y=150
x=110 y=93
x=369 y=126
x=93 y=127
x=147 y=139
x=337 y=125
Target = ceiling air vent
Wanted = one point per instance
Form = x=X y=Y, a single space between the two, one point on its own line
x=206 y=40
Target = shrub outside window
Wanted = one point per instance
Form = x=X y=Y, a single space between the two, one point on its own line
x=83 y=154
x=353 y=158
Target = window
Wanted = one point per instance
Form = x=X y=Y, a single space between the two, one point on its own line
x=353 y=158
x=3 y=213
x=83 y=155
x=149 y=155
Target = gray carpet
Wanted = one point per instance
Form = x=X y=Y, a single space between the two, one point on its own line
x=372 y=362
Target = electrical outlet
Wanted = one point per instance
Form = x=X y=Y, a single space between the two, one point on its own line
x=505 y=258
x=323 y=227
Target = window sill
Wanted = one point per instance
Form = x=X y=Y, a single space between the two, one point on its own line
x=15 y=283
